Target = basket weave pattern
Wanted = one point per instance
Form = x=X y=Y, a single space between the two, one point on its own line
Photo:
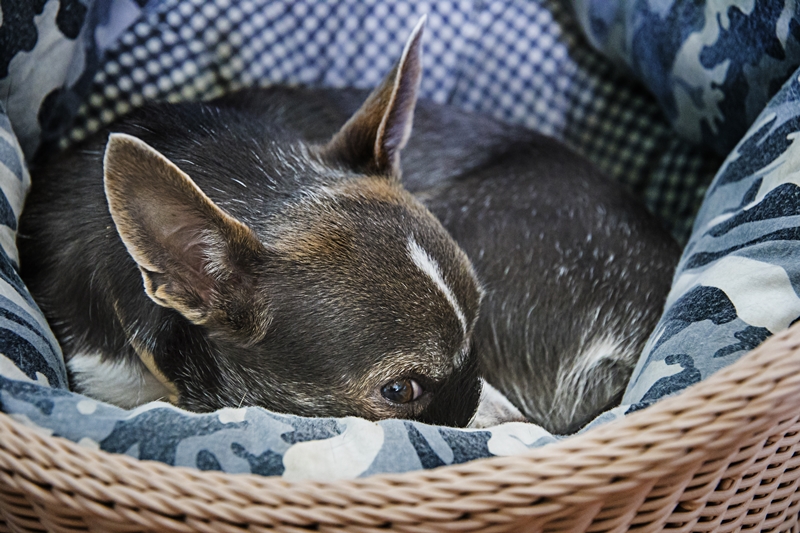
x=722 y=456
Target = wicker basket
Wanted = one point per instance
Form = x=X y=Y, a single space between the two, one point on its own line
x=722 y=456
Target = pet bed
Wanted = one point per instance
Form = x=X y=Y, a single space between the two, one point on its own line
x=719 y=456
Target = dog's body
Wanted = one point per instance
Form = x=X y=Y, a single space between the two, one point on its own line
x=315 y=284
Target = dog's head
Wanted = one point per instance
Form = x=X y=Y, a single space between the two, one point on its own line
x=348 y=298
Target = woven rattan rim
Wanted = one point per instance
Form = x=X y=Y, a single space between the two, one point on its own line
x=638 y=470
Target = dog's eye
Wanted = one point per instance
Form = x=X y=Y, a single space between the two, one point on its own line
x=402 y=391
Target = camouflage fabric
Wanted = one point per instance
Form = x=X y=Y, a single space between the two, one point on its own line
x=712 y=66
x=521 y=61
x=739 y=277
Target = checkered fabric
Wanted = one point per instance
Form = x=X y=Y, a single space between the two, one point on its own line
x=520 y=61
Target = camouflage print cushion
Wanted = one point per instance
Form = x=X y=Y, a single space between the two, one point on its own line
x=28 y=350
x=739 y=277
x=711 y=65
x=70 y=69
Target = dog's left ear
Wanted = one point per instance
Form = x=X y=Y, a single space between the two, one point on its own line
x=370 y=142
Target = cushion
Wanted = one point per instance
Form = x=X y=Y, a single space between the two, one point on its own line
x=524 y=62
x=712 y=66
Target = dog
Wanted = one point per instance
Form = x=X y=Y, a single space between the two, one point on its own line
x=267 y=248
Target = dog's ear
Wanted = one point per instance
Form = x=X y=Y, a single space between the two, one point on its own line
x=194 y=257
x=370 y=142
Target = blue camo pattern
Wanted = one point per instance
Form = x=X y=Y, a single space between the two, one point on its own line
x=712 y=66
x=739 y=277
x=743 y=252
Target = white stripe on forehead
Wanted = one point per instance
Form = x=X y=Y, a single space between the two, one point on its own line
x=430 y=267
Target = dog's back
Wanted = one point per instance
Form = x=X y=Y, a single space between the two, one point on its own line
x=575 y=271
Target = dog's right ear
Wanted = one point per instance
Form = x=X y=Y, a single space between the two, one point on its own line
x=371 y=141
x=194 y=257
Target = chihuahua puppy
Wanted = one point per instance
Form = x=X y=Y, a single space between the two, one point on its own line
x=214 y=257
x=260 y=249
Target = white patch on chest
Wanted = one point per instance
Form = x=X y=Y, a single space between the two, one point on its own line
x=430 y=267
x=126 y=384
x=494 y=409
